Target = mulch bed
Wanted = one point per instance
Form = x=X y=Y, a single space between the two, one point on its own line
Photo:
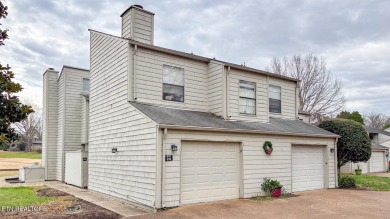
x=64 y=206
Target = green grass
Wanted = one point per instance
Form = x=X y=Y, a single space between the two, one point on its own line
x=21 y=196
x=20 y=154
x=374 y=183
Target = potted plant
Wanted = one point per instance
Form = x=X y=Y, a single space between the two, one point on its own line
x=358 y=171
x=272 y=187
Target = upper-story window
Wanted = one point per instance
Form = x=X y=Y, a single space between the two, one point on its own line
x=275 y=99
x=173 y=83
x=247 y=97
x=85 y=85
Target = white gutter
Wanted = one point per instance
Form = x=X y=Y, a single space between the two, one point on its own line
x=196 y=128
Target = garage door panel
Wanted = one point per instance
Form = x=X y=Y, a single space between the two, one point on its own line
x=307 y=168
x=214 y=174
x=377 y=162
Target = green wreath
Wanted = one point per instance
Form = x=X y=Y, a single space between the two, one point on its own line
x=268 y=147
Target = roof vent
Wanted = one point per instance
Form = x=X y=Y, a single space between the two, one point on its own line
x=138 y=6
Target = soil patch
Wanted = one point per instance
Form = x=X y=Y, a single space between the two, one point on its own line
x=64 y=206
x=51 y=192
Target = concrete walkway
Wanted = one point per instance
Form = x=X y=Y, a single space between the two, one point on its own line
x=384 y=174
x=101 y=200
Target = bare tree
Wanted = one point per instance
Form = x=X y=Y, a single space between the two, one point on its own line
x=320 y=93
x=375 y=120
x=30 y=129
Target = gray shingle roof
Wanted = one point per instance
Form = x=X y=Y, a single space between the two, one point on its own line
x=176 y=117
x=375 y=131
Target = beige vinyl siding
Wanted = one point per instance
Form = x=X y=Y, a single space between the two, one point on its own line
x=61 y=128
x=383 y=139
x=215 y=88
x=289 y=110
x=234 y=78
x=148 y=78
x=256 y=164
x=143 y=27
x=305 y=118
x=50 y=123
x=129 y=174
x=126 y=25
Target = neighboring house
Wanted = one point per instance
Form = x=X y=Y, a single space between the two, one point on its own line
x=36 y=144
x=168 y=128
x=379 y=153
x=65 y=96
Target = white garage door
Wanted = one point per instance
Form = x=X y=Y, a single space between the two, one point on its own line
x=209 y=171
x=307 y=168
x=377 y=162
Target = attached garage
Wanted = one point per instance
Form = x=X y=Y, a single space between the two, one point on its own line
x=210 y=171
x=308 y=168
x=377 y=161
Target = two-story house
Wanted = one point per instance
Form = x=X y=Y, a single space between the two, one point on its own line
x=168 y=128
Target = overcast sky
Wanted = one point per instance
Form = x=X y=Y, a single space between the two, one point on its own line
x=353 y=36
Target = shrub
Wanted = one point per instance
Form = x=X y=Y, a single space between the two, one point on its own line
x=39 y=150
x=354 y=144
x=347 y=182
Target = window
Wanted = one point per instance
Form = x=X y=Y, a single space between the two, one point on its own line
x=173 y=83
x=247 y=97
x=85 y=85
x=275 y=103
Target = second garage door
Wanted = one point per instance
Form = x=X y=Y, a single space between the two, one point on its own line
x=377 y=162
x=209 y=171
x=307 y=168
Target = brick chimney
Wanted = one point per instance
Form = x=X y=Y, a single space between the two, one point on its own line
x=138 y=24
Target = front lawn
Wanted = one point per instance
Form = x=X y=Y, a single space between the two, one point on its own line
x=374 y=183
x=20 y=154
x=21 y=196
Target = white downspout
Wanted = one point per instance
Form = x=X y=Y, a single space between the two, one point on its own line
x=163 y=169
x=134 y=72
x=335 y=157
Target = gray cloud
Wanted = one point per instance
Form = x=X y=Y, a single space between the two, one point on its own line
x=352 y=36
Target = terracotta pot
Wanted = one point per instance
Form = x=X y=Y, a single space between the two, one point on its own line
x=276 y=192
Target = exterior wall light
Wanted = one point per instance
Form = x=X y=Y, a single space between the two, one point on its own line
x=332 y=150
x=114 y=150
x=174 y=147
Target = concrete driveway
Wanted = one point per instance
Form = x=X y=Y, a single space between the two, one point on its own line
x=334 y=203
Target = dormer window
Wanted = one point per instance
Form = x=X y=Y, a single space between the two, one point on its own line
x=275 y=99
x=85 y=85
x=247 y=97
x=173 y=83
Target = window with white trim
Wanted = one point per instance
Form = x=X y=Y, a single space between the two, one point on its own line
x=86 y=85
x=173 y=83
x=247 y=100
x=275 y=99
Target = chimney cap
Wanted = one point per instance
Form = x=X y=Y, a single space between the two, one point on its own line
x=138 y=7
